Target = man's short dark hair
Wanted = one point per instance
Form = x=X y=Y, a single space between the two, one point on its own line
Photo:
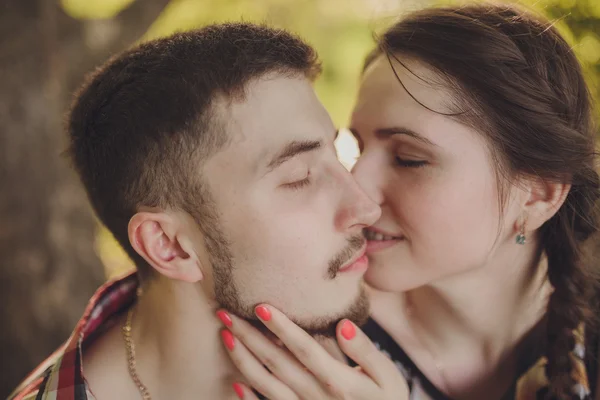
x=142 y=124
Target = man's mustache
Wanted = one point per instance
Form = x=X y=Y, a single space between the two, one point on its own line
x=355 y=243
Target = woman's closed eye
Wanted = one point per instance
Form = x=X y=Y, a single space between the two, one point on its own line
x=409 y=163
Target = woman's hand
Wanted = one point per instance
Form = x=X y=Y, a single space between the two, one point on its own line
x=307 y=371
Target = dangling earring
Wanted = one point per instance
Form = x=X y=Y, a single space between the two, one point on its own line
x=521 y=239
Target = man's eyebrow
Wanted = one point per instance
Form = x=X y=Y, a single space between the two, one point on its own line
x=404 y=131
x=291 y=150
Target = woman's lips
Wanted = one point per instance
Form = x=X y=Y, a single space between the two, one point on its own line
x=374 y=246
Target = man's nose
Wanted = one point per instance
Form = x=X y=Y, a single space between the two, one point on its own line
x=367 y=176
x=358 y=209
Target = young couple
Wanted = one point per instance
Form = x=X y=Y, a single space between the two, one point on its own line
x=209 y=157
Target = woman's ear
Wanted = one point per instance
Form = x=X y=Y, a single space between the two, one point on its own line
x=158 y=238
x=543 y=201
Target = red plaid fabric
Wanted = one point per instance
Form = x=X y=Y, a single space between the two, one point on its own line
x=60 y=377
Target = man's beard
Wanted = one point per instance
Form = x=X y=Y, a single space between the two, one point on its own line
x=228 y=297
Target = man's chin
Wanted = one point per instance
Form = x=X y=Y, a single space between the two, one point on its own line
x=316 y=329
x=325 y=327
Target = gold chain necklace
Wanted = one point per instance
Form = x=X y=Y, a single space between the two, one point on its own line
x=130 y=348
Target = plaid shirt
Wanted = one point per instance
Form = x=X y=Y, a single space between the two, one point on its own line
x=61 y=377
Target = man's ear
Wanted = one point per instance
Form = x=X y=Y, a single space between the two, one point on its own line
x=543 y=200
x=158 y=237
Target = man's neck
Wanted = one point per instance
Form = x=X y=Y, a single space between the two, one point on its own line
x=178 y=349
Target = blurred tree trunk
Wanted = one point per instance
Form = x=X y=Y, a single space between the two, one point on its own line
x=48 y=267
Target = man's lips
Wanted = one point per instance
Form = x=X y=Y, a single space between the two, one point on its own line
x=359 y=261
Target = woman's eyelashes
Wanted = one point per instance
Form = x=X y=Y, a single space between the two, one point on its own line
x=409 y=163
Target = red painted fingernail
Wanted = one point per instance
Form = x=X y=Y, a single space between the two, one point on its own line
x=348 y=331
x=225 y=318
x=263 y=313
x=227 y=339
x=239 y=390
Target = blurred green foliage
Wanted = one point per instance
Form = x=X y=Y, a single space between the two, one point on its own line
x=95 y=9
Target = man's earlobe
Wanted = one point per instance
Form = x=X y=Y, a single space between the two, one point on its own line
x=155 y=237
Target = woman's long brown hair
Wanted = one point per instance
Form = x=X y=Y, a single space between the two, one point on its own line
x=517 y=81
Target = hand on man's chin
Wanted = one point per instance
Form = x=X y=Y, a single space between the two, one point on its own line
x=328 y=342
x=325 y=331
x=263 y=329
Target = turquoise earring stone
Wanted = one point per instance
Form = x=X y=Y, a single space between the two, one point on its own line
x=520 y=238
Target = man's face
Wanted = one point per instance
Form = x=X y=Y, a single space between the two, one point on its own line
x=290 y=215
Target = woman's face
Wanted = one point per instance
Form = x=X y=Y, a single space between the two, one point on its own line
x=433 y=177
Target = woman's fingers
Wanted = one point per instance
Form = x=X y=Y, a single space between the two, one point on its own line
x=356 y=345
x=376 y=378
x=301 y=344
x=277 y=360
x=333 y=349
x=244 y=392
x=258 y=377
